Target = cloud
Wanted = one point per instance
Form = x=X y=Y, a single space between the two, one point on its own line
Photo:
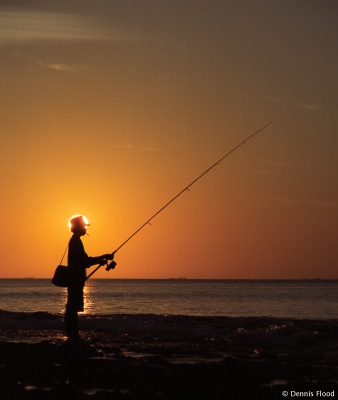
x=58 y=67
x=20 y=26
x=311 y=107
x=307 y=202
x=315 y=107
x=61 y=67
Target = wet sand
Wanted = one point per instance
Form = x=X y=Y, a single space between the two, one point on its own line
x=174 y=358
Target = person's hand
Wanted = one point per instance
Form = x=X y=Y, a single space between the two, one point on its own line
x=105 y=258
x=109 y=256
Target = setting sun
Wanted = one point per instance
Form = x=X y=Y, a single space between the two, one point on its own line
x=85 y=220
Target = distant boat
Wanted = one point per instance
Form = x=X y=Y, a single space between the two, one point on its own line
x=179 y=278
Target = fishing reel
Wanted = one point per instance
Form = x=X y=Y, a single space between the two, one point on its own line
x=110 y=266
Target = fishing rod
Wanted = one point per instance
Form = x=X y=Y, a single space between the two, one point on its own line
x=112 y=264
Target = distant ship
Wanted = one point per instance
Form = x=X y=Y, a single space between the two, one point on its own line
x=179 y=278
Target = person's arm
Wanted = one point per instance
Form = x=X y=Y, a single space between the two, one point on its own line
x=102 y=260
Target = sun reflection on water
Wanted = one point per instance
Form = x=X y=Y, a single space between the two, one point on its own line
x=63 y=300
x=87 y=297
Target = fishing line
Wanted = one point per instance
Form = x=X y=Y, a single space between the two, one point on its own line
x=181 y=192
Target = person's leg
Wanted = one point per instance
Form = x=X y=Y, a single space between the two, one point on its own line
x=71 y=316
x=72 y=324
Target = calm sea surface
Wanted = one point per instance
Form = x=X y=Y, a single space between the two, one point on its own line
x=316 y=299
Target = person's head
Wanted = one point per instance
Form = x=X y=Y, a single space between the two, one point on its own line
x=78 y=224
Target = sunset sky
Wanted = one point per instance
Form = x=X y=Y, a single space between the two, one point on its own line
x=110 y=108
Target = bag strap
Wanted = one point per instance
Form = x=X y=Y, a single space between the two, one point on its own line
x=64 y=254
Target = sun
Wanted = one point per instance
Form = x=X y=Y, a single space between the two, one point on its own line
x=85 y=219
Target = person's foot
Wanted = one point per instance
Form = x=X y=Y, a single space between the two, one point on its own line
x=79 y=346
x=75 y=341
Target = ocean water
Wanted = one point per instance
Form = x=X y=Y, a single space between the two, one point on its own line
x=275 y=335
x=300 y=299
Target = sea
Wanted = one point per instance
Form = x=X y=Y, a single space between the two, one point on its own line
x=275 y=315
x=297 y=299
x=148 y=337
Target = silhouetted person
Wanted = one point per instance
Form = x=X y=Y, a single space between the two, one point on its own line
x=78 y=261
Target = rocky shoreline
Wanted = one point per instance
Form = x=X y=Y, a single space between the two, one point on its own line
x=257 y=359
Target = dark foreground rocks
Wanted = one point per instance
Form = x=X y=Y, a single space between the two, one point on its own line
x=290 y=360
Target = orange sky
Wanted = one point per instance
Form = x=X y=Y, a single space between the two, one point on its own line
x=110 y=108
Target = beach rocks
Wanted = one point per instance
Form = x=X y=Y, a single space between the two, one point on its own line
x=177 y=358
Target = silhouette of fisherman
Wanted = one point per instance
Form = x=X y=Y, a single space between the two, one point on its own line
x=78 y=261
